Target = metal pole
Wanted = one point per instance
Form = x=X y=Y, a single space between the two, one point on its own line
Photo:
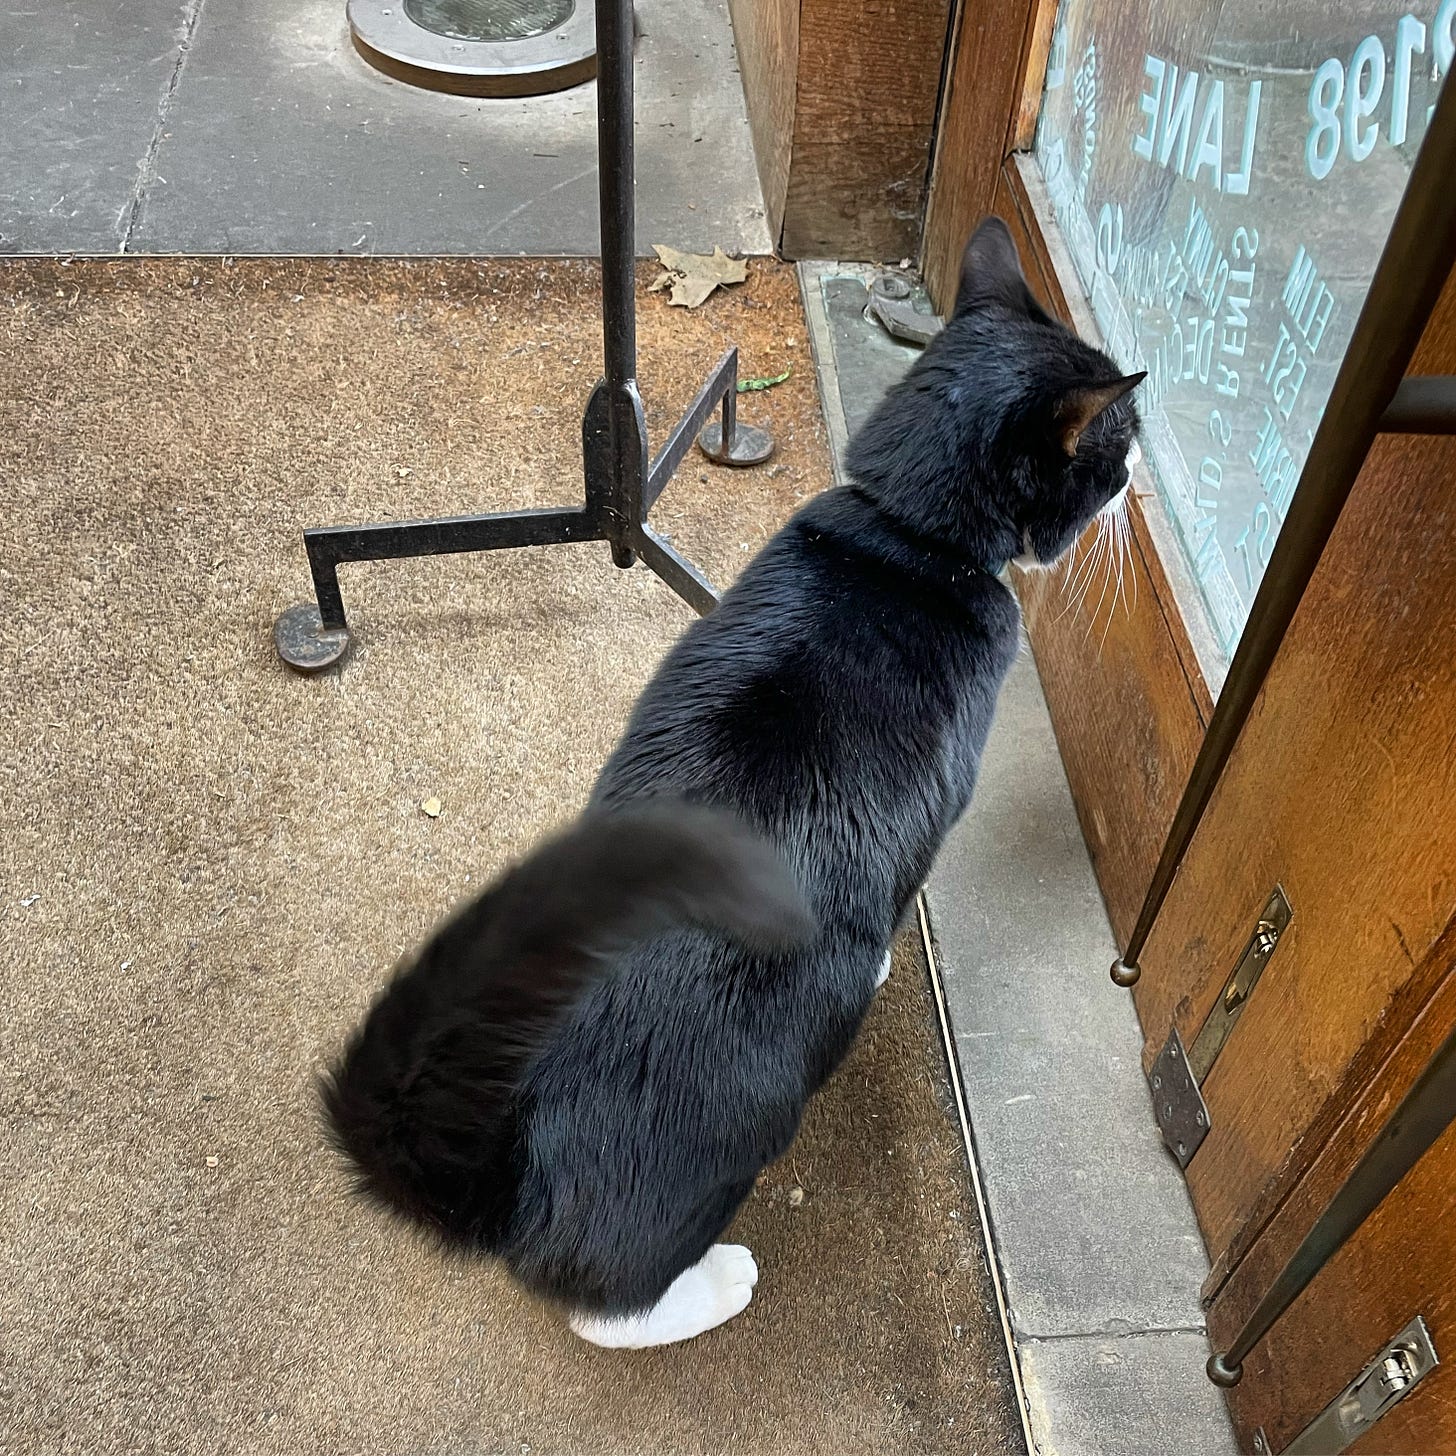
x=619 y=484
x=616 y=185
x=1424 y=1114
x=1417 y=260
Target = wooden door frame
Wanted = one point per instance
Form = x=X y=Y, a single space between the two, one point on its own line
x=995 y=62
x=842 y=101
x=1130 y=694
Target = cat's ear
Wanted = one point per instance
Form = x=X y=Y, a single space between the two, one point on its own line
x=991 y=271
x=1078 y=407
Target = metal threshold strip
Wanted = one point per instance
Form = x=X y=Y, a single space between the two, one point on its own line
x=993 y=1264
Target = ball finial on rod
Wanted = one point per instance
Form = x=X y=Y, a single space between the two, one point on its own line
x=1123 y=974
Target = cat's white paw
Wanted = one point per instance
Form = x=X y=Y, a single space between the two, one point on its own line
x=716 y=1288
x=884 y=974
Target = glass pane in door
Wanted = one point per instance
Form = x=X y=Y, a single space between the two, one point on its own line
x=1224 y=173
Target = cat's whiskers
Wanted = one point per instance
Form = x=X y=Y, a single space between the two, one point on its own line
x=1082 y=576
x=1069 y=585
x=1107 y=564
x=1132 y=565
x=1120 y=531
x=1119 y=559
x=1102 y=564
x=1104 y=567
x=1119 y=526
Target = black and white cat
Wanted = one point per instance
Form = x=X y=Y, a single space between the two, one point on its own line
x=584 y=1071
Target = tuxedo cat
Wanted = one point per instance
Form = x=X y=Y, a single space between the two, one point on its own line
x=584 y=1071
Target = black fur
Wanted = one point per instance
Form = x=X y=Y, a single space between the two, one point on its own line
x=596 y=1118
x=454 y=1029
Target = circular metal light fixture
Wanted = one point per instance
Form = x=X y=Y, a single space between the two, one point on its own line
x=478 y=47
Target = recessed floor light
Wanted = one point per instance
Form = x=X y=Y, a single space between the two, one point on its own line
x=478 y=47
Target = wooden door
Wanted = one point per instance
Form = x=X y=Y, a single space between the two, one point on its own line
x=1341 y=790
x=1131 y=677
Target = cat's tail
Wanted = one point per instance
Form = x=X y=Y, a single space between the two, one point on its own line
x=421 y=1101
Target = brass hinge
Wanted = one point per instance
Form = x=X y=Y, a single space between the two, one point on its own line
x=1178 y=1074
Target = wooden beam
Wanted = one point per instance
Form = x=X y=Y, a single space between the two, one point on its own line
x=994 y=49
x=842 y=99
x=766 y=36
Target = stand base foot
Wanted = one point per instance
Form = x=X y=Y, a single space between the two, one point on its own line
x=304 y=643
x=751 y=446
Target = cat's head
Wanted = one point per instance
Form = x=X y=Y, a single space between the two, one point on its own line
x=1010 y=433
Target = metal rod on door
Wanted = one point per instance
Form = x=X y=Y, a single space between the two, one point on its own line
x=1424 y=1114
x=619 y=489
x=1418 y=258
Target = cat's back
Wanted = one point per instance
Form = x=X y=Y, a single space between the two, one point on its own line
x=841 y=642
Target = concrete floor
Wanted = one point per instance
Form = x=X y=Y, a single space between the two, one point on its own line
x=196 y=126
x=1099 y=1254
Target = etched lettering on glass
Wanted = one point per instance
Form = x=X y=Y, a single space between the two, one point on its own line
x=1224 y=180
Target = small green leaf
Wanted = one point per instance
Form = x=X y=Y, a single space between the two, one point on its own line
x=746 y=386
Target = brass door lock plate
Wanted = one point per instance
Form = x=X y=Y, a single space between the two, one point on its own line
x=1177 y=1076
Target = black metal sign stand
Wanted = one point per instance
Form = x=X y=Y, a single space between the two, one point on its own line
x=621 y=486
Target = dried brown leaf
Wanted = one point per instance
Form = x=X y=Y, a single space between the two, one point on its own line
x=692 y=277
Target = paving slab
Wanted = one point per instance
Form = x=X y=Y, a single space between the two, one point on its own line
x=281 y=139
x=81 y=93
x=1093 y=1223
x=1139 y=1396
x=835 y=298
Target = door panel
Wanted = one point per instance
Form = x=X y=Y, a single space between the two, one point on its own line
x=1127 y=693
x=1399 y=1265
x=1343 y=789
